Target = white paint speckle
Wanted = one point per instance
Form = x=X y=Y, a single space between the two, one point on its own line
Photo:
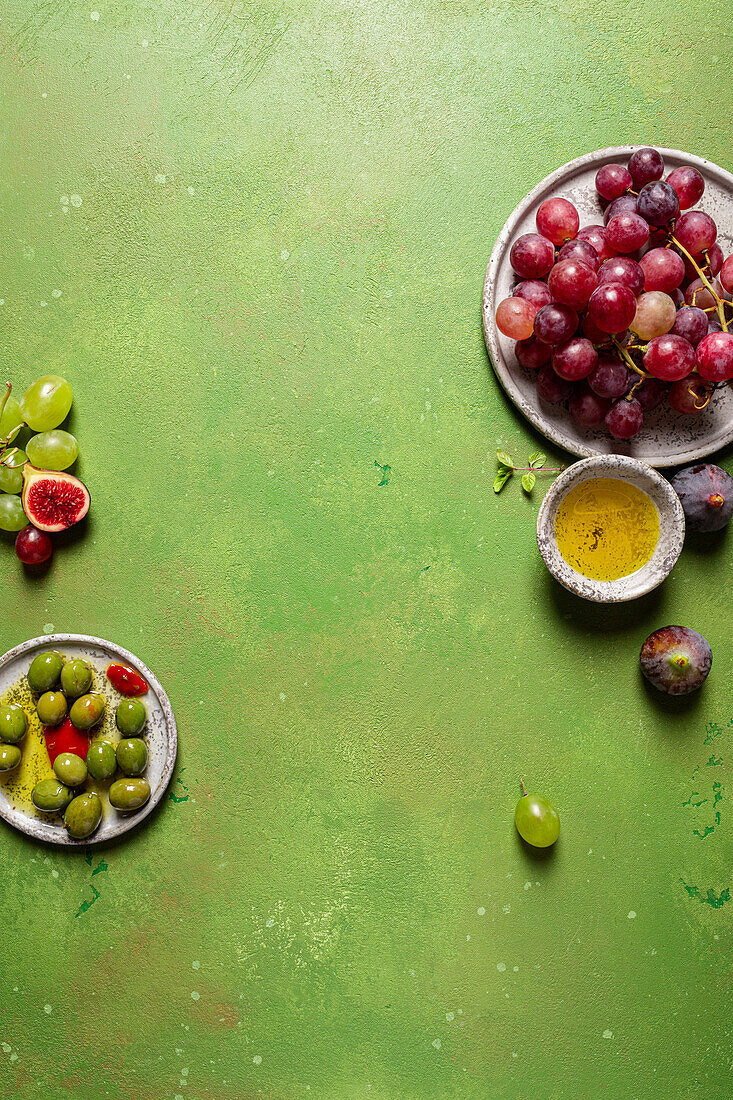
x=607 y=1034
x=506 y=909
x=64 y=200
x=55 y=293
x=144 y=43
x=632 y=914
x=195 y=996
x=282 y=696
x=450 y=1016
x=48 y=628
x=269 y=922
x=284 y=255
x=6 y=1047
x=515 y=969
x=160 y=177
x=257 y=1059
x=75 y=200
x=501 y=967
x=47 y=1009
x=436 y=1043
x=94 y=16
x=195 y=965
x=481 y=911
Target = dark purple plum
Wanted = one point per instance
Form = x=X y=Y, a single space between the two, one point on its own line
x=676 y=659
x=706 y=495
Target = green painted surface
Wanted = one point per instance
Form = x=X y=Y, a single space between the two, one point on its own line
x=253 y=238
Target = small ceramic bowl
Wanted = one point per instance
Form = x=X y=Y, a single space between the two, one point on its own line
x=671 y=529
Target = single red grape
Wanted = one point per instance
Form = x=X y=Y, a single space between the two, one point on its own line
x=669 y=357
x=572 y=283
x=625 y=418
x=32 y=546
x=655 y=314
x=558 y=220
x=515 y=318
x=715 y=357
x=696 y=231
x=580 y=250
x=575 y=359
x=645 y=165
x=726 y=275
x=623 y=270
x=534 y=291
x=596 y=235
x=651 y=393
x=689 y=395
x=551 y=387
x=610 y=378
x=711 y=262
x=612 y=180
x=689 y=185
x=532 y=353
x=531 y=256
x=625 y=205
x=555 y=323
x=658 y=202
x=697 y=294
x=627 y=232
x=587 y=408
x=691 y=323
x=663 y=269
x=612 y=307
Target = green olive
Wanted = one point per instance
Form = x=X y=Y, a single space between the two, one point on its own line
x=45 y=671
x=130 y=717
x=9 y=757
x=129 y=794
x=101 y=760
x=76 y=678
x=51 y=796
x=83 y=815
x=51 y=708
x=70 y=769
x=87 y=711
x=132 y=756
x=13 y=723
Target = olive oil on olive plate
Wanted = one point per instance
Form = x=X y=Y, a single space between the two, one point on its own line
x=160 y=736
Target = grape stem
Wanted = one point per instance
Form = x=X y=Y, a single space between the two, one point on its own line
x=524 y=789
x=719 y=308
x=623 y=354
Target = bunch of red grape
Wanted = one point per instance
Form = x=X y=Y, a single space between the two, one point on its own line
x=615 y=318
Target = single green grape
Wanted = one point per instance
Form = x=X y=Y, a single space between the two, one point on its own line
x=46 y=403
x=55 y=450
x=12 y=516
x=11 y=418
x=11 y=476
x=537 y=820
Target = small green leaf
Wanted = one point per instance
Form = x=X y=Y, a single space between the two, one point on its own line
x=504 y=458
x=537 y=460
x=501 y=479
x=528 y=481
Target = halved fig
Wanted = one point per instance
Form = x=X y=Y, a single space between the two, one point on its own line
x=53 y=501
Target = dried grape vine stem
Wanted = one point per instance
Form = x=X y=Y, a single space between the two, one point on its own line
x=720 y=303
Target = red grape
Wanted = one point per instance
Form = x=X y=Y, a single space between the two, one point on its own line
x=697 y=294
x=610 y=378
x=655 y=314
x=696 y=231
x=594 y=334
x=551 y=387
x=715 y=357
x=663 y=269
x=612 y=307
x=651 y=393
x=533 y=291
x=669 y=357
x=587 y=408
x=627 y=232
x=531 y=256
x=612 y=180
x=625 y=418
x=32 y=546
x=691 y=324
x=558 y=220
x=658 y=202
x=532 y=353
x=712 y=262
x=689 y=395
x=515 y=318
x=554 y=323
x=623 y=270
x=580 y=250
x=726 y=275
x=596 y=235
x=689 y=185
x=645 y=165
x=575 y=359
x=572 y=283
x=625 y=205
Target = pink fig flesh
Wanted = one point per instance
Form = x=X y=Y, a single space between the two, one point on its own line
x=52 y=500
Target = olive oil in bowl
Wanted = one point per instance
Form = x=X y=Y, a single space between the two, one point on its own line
x=606 y=528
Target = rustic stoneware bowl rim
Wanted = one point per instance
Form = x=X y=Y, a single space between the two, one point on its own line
x=564 y=433
x=671 y=529
x=38 y=829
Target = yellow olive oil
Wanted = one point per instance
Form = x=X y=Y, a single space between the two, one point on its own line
x=606 y=528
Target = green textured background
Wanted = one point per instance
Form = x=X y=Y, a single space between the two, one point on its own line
x=253 y=237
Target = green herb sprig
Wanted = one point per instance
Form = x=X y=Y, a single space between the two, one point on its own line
x=535 y=463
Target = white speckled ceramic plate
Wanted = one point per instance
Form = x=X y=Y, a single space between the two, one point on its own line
x=159 y=734
x=667 y=438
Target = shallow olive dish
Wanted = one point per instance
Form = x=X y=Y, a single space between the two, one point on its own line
x=671 y=529
x=160 y=733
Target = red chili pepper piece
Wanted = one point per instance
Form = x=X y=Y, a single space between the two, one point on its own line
x=126 y=680
x=65 y=738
